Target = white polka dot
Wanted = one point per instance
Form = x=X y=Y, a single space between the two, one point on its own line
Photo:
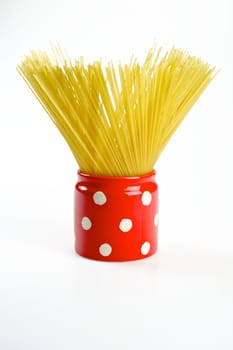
x=145 y=248
x=125 y=225
x=156 y=220
x=146 y=198
x=86 y=223
x=99 y=198
x=105 y=249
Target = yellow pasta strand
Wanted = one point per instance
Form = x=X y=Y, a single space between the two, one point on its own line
x=117 y=120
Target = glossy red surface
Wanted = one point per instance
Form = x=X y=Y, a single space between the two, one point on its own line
x=116 y=218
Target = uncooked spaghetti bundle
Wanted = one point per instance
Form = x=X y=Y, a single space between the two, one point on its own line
x=116 y=121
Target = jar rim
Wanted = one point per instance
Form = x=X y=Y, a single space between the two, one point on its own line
x=108 y=177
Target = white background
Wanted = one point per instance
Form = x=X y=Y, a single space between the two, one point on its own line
x=50 y=298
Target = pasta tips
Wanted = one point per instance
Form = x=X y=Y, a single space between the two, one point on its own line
x=117 y=119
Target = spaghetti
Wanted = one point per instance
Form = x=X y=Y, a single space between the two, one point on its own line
x=117 y=120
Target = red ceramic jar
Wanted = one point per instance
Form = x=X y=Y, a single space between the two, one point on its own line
x=116 y=218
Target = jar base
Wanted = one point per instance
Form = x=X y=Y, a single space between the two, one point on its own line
x=98 y=257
